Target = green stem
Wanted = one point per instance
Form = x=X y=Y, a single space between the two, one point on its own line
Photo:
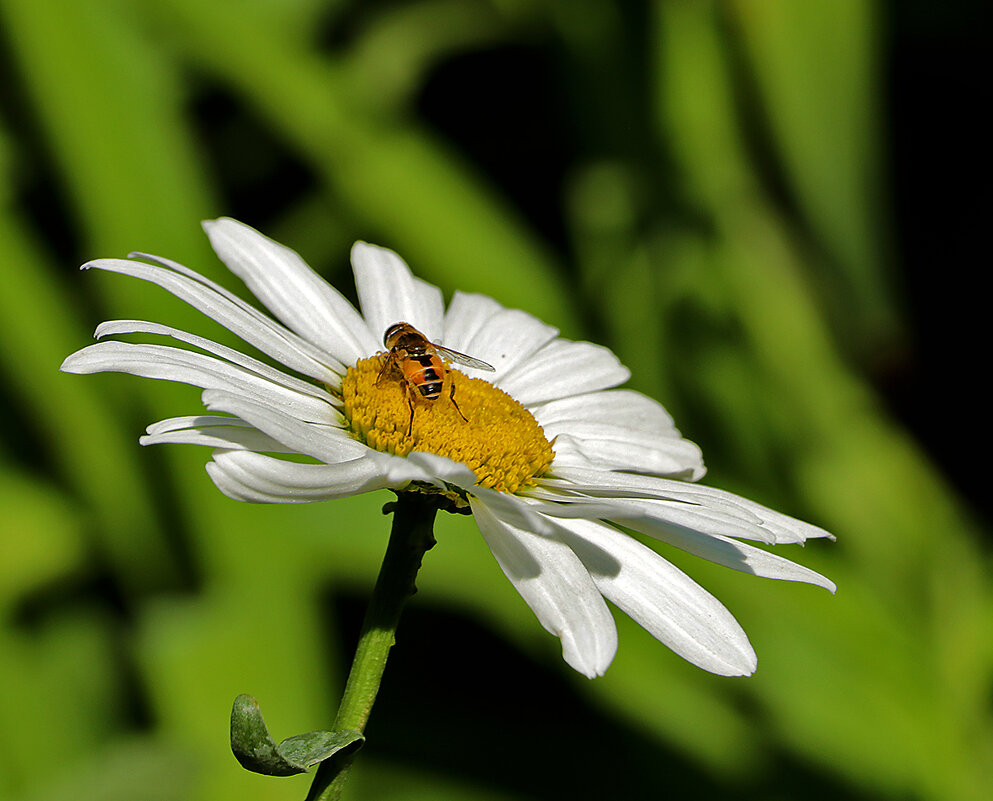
x=412 y=535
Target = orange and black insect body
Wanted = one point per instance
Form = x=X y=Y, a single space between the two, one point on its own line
x=425 y=372
x=418 y=362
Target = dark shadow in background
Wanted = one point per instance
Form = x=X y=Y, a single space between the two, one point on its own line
x=532 y=736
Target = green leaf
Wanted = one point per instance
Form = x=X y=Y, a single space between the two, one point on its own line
x=256 y=750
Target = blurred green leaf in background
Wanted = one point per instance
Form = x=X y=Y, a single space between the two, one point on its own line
x=740 y=198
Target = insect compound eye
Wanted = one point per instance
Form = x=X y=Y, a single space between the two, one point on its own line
x=391 y=332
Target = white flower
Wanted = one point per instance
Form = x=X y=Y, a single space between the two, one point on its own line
x=550 y=518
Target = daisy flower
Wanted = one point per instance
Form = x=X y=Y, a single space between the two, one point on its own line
x=554 y=463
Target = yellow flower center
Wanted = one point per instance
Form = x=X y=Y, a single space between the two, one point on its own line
x=484 y=428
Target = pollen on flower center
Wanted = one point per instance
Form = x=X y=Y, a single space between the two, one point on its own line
x=499 y=440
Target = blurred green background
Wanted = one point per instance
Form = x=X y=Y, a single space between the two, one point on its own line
x=756 y=204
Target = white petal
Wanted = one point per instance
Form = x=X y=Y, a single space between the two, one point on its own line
x=554 y=583
x=665 y=516
x=256 y=478
x=695 y=529
x=661 y=515
x=779 y=528
x=609 y=406
x=617 y=484
x=596 y=445
x=648 y=514
x=287 y=286
x=607 y=424
x=213 y=432
x=562 y=368
x=389 y=293
x=233 y=313
x=661 y=598
x=191 y=421
x=514 y=510
x=399 y=471
x=466 y=314
x=116 y=327
x=442 y=470
x=730 y=553
x=506 y=340
x=327 y=443
x=511 y=509
x=568 y=455
x=174 y=364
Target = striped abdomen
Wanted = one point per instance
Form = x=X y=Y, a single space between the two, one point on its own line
x=425 y=372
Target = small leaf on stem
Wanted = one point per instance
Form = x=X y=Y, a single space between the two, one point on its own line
x=256 y=750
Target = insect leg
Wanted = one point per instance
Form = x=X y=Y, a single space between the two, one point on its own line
x=388 y=370
x=410 y=403
x=451 y=395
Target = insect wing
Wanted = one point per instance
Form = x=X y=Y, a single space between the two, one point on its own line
x=389 y=370
x=461 y=358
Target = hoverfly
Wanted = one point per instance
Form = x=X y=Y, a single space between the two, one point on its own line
x=419 y=364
